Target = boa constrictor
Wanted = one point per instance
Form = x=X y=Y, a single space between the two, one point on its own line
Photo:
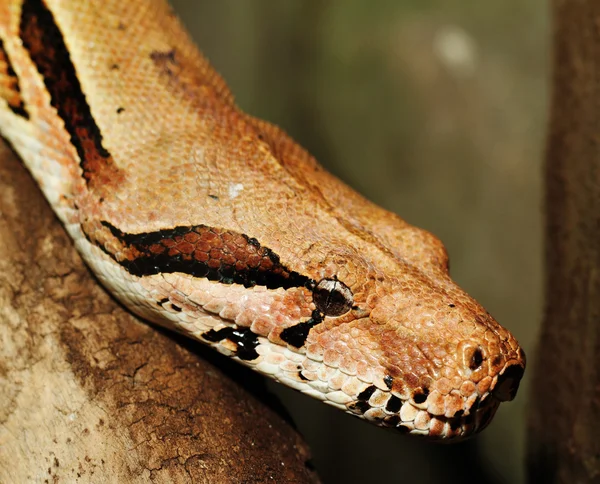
x=205 y=220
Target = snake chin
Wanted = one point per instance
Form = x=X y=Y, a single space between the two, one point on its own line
x=421 y=423
x=449 y=430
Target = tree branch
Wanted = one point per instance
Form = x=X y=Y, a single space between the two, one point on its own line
x=564 y=413
x=90 y=394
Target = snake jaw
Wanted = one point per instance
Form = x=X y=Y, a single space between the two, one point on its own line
x=430 y=406
x=387 y=410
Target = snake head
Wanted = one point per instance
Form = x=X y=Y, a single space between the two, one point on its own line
x=217 y=225
x=419 y=358
x=361 y=315
x=369 y=325
x=411 y=351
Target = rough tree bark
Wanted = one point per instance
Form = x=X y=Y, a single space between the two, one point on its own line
x=564 y=410
x=90 y=394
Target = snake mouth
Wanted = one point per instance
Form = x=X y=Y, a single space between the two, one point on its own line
x=414 y=421
x=466 y=424
x=508 y=382
x=450 y=429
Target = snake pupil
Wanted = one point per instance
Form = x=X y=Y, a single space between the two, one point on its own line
x=332 y=297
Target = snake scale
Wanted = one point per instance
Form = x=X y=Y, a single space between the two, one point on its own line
x=215 y=224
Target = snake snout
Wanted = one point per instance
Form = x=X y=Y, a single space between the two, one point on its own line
x=508 y=382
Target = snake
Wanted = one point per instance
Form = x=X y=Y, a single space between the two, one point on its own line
x=215 y=224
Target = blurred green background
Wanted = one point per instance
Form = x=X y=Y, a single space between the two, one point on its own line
x=435 y=109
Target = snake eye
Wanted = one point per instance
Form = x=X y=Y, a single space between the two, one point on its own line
x=332 y=297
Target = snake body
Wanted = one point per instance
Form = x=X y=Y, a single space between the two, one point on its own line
x=212 y=223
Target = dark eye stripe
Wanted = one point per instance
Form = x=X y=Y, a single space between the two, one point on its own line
x=296 y=335
x=216 y=254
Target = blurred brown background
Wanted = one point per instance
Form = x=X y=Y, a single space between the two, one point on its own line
x=435 y=109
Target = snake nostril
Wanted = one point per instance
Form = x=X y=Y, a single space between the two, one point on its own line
x=508 y=383
x=476 y=359
x=471 y=355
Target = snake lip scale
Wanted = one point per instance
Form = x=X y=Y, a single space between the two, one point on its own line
x=215 y=224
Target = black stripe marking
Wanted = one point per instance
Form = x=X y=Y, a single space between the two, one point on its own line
x=46 y=46
x=218 y=255
x=394 y=404
x=359 y=407
x=296 y=335
x=366 y=393
x=10 y=88
x=245 y=340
